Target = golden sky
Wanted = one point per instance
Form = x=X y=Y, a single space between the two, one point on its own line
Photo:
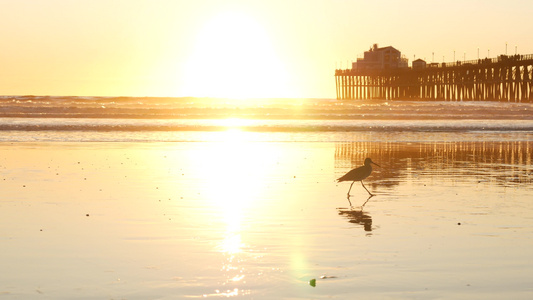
x=274 y=48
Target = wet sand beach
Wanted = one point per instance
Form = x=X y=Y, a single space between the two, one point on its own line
x=261 y=220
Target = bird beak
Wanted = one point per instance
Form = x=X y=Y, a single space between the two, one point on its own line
x=376 y=164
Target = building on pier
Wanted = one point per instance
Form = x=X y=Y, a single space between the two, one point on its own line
x=419 y=64
x=380 y=58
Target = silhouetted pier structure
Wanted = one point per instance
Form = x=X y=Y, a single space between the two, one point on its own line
x=505 y=78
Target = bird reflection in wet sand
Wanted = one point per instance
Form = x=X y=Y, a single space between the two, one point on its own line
x=358 y=174
x=357 y=217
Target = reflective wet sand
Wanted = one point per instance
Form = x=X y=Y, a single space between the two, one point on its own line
x=262 y=219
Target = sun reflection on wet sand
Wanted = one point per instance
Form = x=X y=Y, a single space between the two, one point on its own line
x=235 y=176
x=232 y=243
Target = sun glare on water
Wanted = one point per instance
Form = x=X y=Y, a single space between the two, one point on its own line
x=234 y=58
x=234 y=171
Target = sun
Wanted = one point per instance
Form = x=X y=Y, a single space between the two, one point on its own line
x=233 y=57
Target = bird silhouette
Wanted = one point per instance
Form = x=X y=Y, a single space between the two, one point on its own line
x=358 y=174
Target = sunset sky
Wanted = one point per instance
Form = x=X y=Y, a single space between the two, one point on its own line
x=275 y=48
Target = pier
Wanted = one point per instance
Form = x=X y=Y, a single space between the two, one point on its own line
x=505 y=78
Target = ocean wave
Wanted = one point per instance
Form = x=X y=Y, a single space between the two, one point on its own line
x=268 y=109
x=260 y=125
x=146 y=114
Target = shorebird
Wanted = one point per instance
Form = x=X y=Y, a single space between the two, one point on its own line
x=358 y=174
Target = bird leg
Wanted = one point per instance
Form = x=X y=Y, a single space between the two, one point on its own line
x=350 y=190
x=366 y=201
x=366 y=189
x=351 y=206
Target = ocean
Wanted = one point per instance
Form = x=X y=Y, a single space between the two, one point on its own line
x=92 y=119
